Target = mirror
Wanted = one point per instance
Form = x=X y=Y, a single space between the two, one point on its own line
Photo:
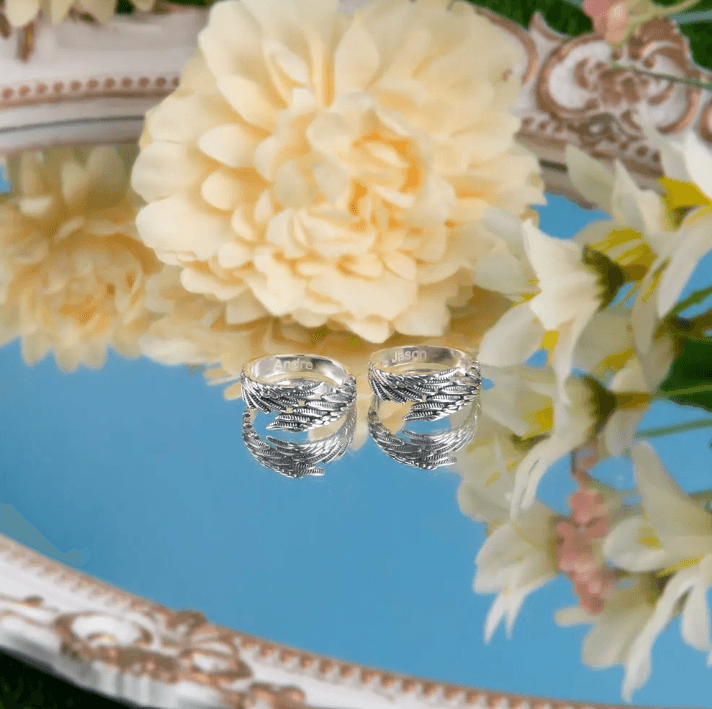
x=134 y=469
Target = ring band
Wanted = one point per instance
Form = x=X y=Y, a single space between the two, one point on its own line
x=297 y=460
x=422 y=450
x=308 y=391
x=442 y=380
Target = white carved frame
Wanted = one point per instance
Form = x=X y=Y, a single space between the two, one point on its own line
x=109 y=641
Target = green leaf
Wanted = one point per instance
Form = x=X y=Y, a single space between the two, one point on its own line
x=689 y=381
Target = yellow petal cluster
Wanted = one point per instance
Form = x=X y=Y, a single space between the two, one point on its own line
x=330 y=169
x=72 y=270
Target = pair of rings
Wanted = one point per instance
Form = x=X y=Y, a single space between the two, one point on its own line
x=310 y=391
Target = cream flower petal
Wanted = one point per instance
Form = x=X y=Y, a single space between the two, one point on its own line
x=21 y=12
x=429 y=315
x=516 y=337
x=515 y=560
x=184 y=119
x=502 y=272
x=244 y=308
x=590 y=177
x=657 y=361
x=695 y=622
x=688 y=160
x=199 y=282
x=101 y=10
x=573 y=425
x=561 y=273
x=568 y=335
x=362 y=298
x=232 y=144
x=165 y=168
x=671 y=511
x=615 y=628
x=486 y=488
x=619 y=430
x=644 y=317
x=607 y=335
x=172 y=223
x=632 y=545
x=370 y=328
x=642 y=210
x=698 y=160
x=250 y=99
x=671 y=153
x=356 y=59
x=695 y=243
x=595 y=232
x=107 y=171
x=532 y=469
x=229 y=19
x=639 y=662
x=518 y=393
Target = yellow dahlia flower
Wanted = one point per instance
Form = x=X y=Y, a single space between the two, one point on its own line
x=330 y=169
x=72 y=269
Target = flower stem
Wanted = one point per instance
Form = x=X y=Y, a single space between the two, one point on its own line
x=678 y=428
x=655 y=75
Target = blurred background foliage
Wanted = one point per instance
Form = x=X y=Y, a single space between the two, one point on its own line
x=565 y=17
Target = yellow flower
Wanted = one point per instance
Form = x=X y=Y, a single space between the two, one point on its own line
x=72 y=269
x=330 y=169
x=191 y=328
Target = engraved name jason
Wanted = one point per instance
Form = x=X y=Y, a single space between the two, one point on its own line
x=407 y=356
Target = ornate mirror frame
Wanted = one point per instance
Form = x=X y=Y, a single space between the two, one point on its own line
x=109 y=641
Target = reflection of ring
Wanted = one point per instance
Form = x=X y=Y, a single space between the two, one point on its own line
x=441 y=379
x=309 y=391
x=422 y=450
x=295 y=460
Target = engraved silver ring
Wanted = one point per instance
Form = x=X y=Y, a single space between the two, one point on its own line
x=441 y=380
x=307 y=391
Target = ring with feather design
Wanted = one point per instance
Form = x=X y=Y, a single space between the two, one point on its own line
x=441 y=380
x=308 y=391
x=297 y=460
x=422 y=450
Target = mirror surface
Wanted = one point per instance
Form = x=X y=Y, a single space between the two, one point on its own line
x=137 y=474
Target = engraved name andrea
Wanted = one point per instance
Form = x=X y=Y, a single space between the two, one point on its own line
x=293 y=365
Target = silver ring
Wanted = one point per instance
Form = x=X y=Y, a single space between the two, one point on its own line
x=297 y=460
x=422 y=450
x=308 y=391
x=442 y=380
